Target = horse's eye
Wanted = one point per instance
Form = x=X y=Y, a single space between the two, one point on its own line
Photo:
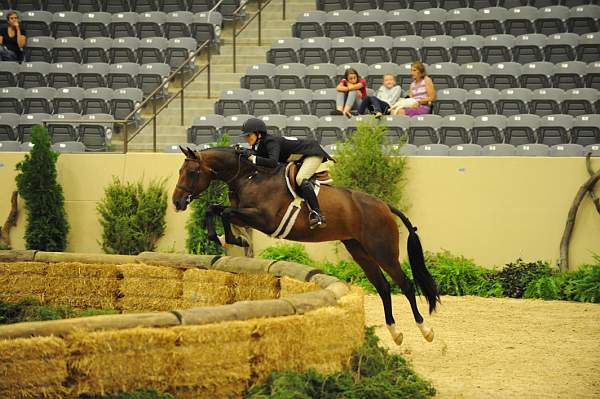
x=191 y=174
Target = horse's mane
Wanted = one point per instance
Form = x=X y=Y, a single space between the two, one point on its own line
x=260 y=169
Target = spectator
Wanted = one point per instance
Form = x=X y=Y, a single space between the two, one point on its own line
x=351 y=90
x=421 y=94
x=387 y=95
x=12 y=39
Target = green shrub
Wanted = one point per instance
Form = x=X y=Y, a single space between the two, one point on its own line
x=139 y=394
x=583 y=285
x=197 y=241
x=374 y=372
x=33 y=310
x=363 y=165
x=132 y=217
x=547 y=287
x=350 y=272
x=291 y=252
x=516 y=276
x=47 y=225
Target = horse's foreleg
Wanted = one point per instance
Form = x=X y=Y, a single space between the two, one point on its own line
x=209 y=221
x=238 y=217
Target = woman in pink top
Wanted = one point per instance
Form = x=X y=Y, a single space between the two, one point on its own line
x=350 y=92
x=421 y=90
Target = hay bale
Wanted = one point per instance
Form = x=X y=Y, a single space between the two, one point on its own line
x=293 y=270
x=33 y=368
x=254 y=286
x=137 y=270
x=311 y=300
x=133 y=304
x=20 y=280
x=207 y=288
x=235 y=264
x=59 y=257
x=290 y=286
x=213 y=360
x=82 y=285
x=176 y=260
x=17 y=255
x=146 y=288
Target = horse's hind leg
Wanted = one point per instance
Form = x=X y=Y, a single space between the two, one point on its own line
x=376 y=277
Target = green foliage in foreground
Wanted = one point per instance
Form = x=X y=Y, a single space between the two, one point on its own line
x=373 y=373
x=140 y=394
x=457 y=275
x=34 y=310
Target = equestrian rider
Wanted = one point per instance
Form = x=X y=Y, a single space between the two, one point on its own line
x=270 y=150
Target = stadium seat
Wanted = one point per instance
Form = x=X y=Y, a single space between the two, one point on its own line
x=124 y=24
x=96 y=136
x=323 y=102
x=520 y=20
x=529 y=48
x=449 y=101
x=178 y=51
x=406 y=49
x=38 y=48
x=68 y=100
x=95 y=24
x=86 y=5
x=63 y=74
x=284 y=50
x=444 y=74
x=580 y=101
x=424 y=129
x=207 y=26
x=60 y=131
x=38 y=100
x=397 y=127
x=150 y=24
x=96 y=49
x=400 y=23
x=546 y=101
x=8 y=73
x=420 y=5
x=92 y=75
x=26 y=123
x=122 y=75
x=566 y=150
x=504 y=75
x=376 y=49
x=197 y=6
x=309 y=24
x=258 y=76
x=513 y=101
x=314 y=50
x=430 y=22
x=361 y=5
x=588 y=49
x=586 y=129
x=499 y=150
x=532 y=150
x=172 y=5
x=459 y=22
x=178 y=24
x=362 y=69
x=115 y=6
x=437 y=150
x=551 y=20
x=466 y=49
x=436 y=49
x=521 y=129
x=583 y=19
x=592 y=149
x=232 y=102
x=28 y=5
x=339 y=23
x=8 y=127
x=205 y=129
x=473 y=76
x=555 y=129
x=560 y=47
x=37 y=23
x=329 y=5
x=488 y=129
x=143 y=6
x=481 y=101
x=33 y=74
x=152 y=50
x=11 y=100
x=331 y=129
x=69 y=147
x=320 y=76
x=490 y=21
x=377 y=71
x=264 y=102
x=232 y=126
x=536 y=75
x=289 y=76
x=67 y=49
x=125 y=101
x=369 y=23
x=456 y=129
x=301 y=126
x=65 y=24
x=497 y=48
x=275 y=123
x=295 y=102
x=465 y=150
x=592 y=75
x=124 y=49
x=151 y=76
x=96 y=101
x=569 y=75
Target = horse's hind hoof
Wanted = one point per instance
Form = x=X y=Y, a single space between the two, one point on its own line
x=426 y=331
x=396 y=334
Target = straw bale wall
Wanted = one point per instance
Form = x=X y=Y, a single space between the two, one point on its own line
x=217 y=327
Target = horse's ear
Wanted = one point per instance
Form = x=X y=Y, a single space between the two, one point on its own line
x=191 y=153
x=184 y=151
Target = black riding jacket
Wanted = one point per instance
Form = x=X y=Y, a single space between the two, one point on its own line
x=271 y=150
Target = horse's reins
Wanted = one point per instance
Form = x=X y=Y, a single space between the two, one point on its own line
x=190 y=192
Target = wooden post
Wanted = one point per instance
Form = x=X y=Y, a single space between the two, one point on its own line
x=11 y=221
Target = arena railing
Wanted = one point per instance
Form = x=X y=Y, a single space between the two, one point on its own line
x=258 y=15
x=132 y=117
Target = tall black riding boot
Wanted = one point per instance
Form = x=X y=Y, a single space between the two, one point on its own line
x=315 y=218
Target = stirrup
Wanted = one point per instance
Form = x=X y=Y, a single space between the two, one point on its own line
x=315 y=219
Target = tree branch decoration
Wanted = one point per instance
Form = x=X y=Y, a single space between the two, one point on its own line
x=11 y=221
x=587 y=187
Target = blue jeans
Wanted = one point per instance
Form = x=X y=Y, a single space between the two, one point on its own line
x=348 y=98
x=375 y=103
x=7 y=55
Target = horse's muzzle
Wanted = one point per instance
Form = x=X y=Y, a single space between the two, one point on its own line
x=181 y=203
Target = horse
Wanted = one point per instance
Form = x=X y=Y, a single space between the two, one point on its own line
x=365 y=225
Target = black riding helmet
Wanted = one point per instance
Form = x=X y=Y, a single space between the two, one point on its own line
x=254 y=125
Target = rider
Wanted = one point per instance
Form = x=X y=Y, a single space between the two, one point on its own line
x=271 y=150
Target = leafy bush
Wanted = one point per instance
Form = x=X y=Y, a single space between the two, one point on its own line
x=351 y=272
x=362 y=164
x=373 y=373
x=197 y=241
x=140 y=394
x=291 y=252
x=583 y=285
x=47 y=225
x=33 y=310
x=547 y=287
x=516 y=276
x=132 y=217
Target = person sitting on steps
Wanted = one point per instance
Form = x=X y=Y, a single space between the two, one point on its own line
x=270 y=150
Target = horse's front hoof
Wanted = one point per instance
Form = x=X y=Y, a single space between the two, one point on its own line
x=396 y=334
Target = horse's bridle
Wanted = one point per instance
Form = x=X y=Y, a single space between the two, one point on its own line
x=190 y=192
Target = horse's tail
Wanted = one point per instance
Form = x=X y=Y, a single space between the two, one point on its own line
x=421 y=275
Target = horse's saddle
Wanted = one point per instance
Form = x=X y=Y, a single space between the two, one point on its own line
x=321 y=176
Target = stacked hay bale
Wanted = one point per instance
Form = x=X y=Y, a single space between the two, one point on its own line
x=255 y=286
x=207 y=288
x=20 y=280
x=149 y=288
x=291 y=286
x=33 y=368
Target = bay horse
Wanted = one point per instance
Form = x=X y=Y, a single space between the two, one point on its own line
x=364 y=224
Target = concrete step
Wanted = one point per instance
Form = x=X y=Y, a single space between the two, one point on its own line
x=241 y=59
x=245 y=49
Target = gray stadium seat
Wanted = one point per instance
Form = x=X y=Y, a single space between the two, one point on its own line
x=323 y=102
x=179 y=50
x=152 y=50
x=92 y=75
x=65 y=24
x=124 y=49
x=205 y=129
x=467 y=49
x=314 y=50
x=586 y=129
x=497 y=48
x=38 y=100
x=361 y=5
x=555 y=129
x=174 y=148
x=26 y=123
x=142 y=6
x=377 y=71
x=63 y=74
x=513 y=101
x=569 y=75
x=309 y=24
x=504 y=75
x=436 y=150
x=339 y=23
x=592 y=76
x=275 y=123
x=400 y=22
x=264 y=102
x=232 y=102
x=67 y=49
x=207 y=26
x=560 y=47
x=521 y=129
x=95 y=24
x=529 y=48
x=551 y=19
x=583 y=19
x=369 y=23
x=490 y=21
x=404 y=79
x=436 y=49
x=488 y=129
x=465 y=150
x=376 y=49
x=390 y=5
x=499 y=150
x=114 y=6
x=295 y=102
x=444 y=74
x=172 y=5
x=362 y=69
x=329 y=5
x=36 y=23
x=424 y=129
x=301 y=126
x=449 y=101
x=320 y=76
x=566 y=150
x=96 y=49
x=258 y=76
x=406 y=49
x=588 y=49
x=592 y=149
x=69 y=147
x=9 y=146
x=430 y=22
x=546 y=101
x=124 y=101
x=200 y=5
x=123 y=24
x=122 y=75
x=473 y=75
x=284 y=50
x=397 y=127
x=60 y=131
x=520 y=20
x=481 y=102
x=232 y=126
x=459 y=21
x=86 y=5
x=68 y=100
x=96 y=135
x=289 y=76
x=96 y=100
x=10 y=100
x=8 y=126
x=456 y=129
x=151 y=76
x=33 y=74
x=420 y=5
x=27 y=5
x=39 y=48
x=8 y=73
x=533 y=150
x=408 y=150
x=150 y=24
x=178 y=24
x=580 y=101
x=331 y=129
